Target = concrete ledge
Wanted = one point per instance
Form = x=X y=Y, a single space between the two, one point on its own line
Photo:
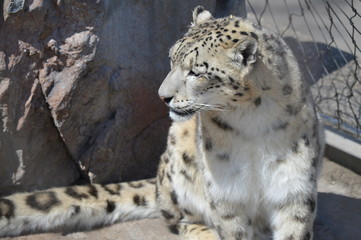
x=343 y=149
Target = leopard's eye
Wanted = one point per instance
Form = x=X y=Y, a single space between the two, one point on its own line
x=191 y=73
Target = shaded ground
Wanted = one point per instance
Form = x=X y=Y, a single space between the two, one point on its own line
x=339 y=214
x=339 y=208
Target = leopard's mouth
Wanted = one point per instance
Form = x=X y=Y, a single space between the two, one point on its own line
x=181 y=115
x=183 y=112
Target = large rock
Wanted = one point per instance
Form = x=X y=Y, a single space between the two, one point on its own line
x=78 y=90
x=32 y=154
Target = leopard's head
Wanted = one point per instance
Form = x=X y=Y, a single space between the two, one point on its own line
x=209 y=66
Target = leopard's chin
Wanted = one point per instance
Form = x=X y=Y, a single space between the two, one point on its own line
x=181 y=115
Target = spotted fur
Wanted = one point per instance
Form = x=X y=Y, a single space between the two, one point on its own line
x=77 y=207
x=243 y=151
x=256 y=143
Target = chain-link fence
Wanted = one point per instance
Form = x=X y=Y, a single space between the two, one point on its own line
x=326 y=38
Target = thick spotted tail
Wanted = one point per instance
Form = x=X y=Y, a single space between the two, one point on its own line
x=77 y=207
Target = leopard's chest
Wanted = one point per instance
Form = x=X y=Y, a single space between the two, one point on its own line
x=240 y=176
x=236 y=169
x=236 y=172
x=241 y=170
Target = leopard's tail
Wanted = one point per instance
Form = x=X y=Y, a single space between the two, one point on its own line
x=77 y=208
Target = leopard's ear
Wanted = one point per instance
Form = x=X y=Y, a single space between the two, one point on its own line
x=200 y=16
x=244 y=52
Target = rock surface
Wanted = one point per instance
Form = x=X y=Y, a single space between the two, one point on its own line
x=78 y=88
x=32 y=153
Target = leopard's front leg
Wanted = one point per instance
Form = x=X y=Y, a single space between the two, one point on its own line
x=294 y=220
x=192 y=231
x=231 y=222
x=165 y=195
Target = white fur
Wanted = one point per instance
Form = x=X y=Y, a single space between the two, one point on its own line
x=263 y=171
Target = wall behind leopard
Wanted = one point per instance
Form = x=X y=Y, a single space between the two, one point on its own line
x=78 y=88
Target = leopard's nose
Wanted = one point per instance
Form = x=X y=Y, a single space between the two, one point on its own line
x=166 y=99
